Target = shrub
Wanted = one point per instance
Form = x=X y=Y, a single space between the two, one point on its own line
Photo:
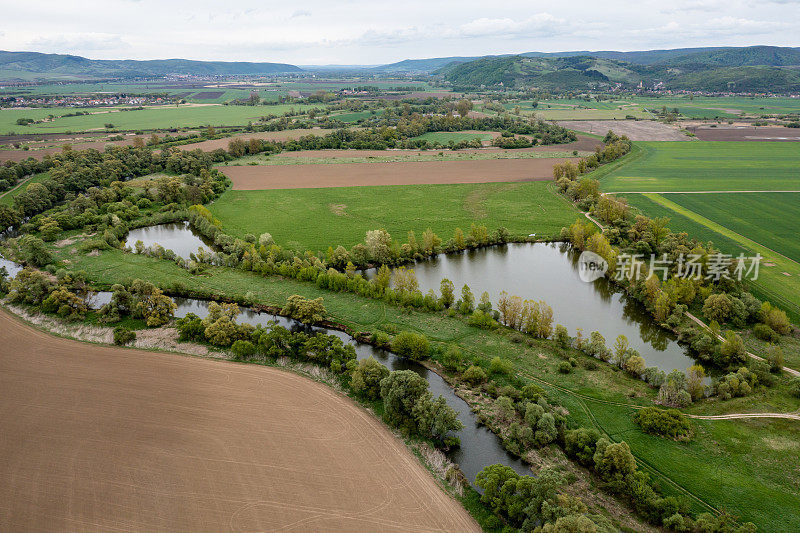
x=243 y=349
x=562 y=336
x=453 y=358
x=305 y=310
x=500 y=366
x=581 y=444
x=474 y=375
x=765 y=333
x=411 y=345
x=664 y=422
x=481 y=319
x=367 y=378
x=794 y=387
x=565 y=367
x=774 y=357
x=123 y=336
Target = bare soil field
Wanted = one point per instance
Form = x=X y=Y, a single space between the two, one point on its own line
x=103 y=438
x=253 y=178
x=745 y=133
x=636 y=130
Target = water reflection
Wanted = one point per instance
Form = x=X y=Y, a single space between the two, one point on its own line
x=549 y=272
x=179 y=237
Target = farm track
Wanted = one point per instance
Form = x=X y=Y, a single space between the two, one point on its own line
x=100 y=437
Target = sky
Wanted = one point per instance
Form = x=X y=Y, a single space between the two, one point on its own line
x=367 y=32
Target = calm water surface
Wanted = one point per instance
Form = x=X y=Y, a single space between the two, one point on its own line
x=179 y=237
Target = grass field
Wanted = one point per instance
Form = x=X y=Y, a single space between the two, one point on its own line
x=444 y=137
x=732 y=465
x=697 y=107
x=747 y=223
x=7 y=197
x=317 y=218
x=145 y=119
x=706 y=166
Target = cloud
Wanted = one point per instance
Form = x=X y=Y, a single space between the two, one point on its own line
x=75 y=42
x=541 y=24
x=300 y=13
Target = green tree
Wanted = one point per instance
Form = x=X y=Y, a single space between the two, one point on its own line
x=305 y=310
x=435 y=419
x=448 y=293
x=367 y=378
x=411 y=345
x=400 y=391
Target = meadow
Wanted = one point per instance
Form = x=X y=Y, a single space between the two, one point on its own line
x=705 y=166
x=145 y=119
x=317 y=218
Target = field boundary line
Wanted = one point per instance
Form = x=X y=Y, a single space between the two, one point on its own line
x=715 y=226
x=700 y=192
x=749 y=354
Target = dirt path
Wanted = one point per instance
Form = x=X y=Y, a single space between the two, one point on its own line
x=788 y=370
x=17 y=186
x=100 y=438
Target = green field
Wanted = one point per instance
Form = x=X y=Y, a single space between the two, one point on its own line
x=706 y=166
x=747 y=223
x=697 y=107
x=317 y=218
x=7 y=197
x=444 y=137
x=145 y=119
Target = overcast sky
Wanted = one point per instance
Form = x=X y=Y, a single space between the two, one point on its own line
x=373 y=32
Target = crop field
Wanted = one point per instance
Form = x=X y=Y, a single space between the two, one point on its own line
x=737 y=223
x=317 y=218
x=260 y=177
x=635 y=130
x=145 y=119
x=179 y=443
x=745 y=133
x=705 y=166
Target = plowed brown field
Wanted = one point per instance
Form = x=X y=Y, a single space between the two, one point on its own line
x=253 y=178
x=100 y=438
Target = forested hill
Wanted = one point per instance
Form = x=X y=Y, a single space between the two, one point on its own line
x=32 y=65
x=751 y=69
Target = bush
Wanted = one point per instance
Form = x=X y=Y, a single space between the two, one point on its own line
x=123 y=336
x=664 y=422
x=452 y=359
x=766 y=333
x=305 y=310
x=243 y=349
x=500 y=366
x=411 y=345
x=581 y=444
x=794 y=387
x=367 y=378
x=565 y=367
x=474 y=375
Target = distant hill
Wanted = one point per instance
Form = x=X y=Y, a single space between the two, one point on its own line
x=32 y=65
x=422 y=66
x=747 y=69
x=773 y=56
x=577 y=72
x=640 y=57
